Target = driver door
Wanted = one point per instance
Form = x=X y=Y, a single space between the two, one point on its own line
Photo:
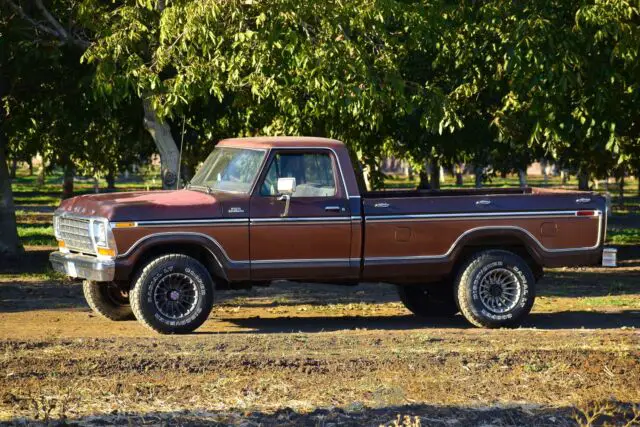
x=313 y=240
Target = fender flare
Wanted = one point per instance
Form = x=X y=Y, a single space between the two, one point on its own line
x=222 y=263
x=530 y=243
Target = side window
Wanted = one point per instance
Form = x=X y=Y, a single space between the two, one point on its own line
x=313 y=172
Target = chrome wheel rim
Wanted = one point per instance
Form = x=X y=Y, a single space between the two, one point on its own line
x=500 y=290
x=176 y=296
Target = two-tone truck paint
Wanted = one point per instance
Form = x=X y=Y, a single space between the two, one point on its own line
x=264 y=209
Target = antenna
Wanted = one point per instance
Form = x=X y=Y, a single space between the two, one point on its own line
x=180 y=155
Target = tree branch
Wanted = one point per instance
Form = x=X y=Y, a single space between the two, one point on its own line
x=30 y=20
x=55 y=29
x=63 y=33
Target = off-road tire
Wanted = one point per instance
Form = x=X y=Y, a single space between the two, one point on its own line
x=436 y=300
x=468 y=284
x=143 y=296
x=104 y=300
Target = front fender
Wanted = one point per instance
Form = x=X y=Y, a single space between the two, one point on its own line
x=167 y=242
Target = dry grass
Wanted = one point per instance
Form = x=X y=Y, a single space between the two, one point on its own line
x=320 y=355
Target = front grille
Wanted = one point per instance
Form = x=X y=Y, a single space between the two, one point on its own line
x=74 y=232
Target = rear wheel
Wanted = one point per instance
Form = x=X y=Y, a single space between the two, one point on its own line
x=173 y=294
x=108 y=300
x=429 y=301
x=495 y=288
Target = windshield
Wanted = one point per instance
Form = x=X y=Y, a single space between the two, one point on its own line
x=229 y=169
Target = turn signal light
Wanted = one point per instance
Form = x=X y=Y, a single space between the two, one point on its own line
x=61 y=244
x=585 y=213
x=106 y=252
x=124 y=224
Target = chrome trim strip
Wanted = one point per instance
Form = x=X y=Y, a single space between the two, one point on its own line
x=190 y=222
x=478 y=215
x=301 y=261
x=305 y=219
x=182 y=233
x=496 y=227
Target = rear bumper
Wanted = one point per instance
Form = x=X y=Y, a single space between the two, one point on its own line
x=83 y=266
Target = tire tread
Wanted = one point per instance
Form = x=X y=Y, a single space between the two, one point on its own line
x=102 y=306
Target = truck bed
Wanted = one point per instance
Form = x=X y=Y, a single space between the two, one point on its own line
x=424 y=231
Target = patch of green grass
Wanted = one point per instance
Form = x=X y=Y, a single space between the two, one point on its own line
x=624 y=236
x=36 y=235
x=612 y=301
x=39 y=200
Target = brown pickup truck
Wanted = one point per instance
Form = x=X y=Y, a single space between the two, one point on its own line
x=263 y=209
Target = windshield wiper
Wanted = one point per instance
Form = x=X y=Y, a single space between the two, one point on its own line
x=206 y=188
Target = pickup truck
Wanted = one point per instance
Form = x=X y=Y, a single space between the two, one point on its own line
x=265 y=209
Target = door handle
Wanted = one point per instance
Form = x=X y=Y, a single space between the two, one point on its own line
x=381 y=205
x=583 y=200
x=483 y=202
x=332 y=208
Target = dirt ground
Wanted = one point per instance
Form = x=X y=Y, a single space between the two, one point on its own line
x=303 y=354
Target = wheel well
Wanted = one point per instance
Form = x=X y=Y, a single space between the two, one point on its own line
x=507 y=243
x=198 y=252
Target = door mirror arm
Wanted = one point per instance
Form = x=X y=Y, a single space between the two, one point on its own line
x=286 y=187
x=287 y=201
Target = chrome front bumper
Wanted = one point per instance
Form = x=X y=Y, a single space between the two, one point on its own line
x=83 y=266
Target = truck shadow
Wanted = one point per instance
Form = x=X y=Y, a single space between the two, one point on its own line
x=357 y=415
x=541 y=321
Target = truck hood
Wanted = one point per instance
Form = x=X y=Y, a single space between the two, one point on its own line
x=147 y=205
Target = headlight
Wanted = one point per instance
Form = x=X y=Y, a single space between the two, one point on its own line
x=103 y=239
x=100 y=233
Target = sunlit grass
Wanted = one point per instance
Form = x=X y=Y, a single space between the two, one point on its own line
x=624 y=236
x=36 y=235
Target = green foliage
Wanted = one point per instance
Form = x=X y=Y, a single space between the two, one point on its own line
x=493 y=82
x=51 y=107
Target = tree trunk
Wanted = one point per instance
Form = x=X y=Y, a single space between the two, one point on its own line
x=41 y=175
x=111 y=180
x=67 y=182
x=522 y=177
x=423 y=183
x=638 y=178
x=543 y=166
x=169 y=154
x=459 y=177
x=564 y=176
x=30 y=166
x=14 y=168
x=435 y=175
x=621 y=190
x=583 y=181
x=479 y=175
x=9 y=241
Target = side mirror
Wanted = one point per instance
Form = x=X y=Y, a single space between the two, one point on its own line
x=286 y=186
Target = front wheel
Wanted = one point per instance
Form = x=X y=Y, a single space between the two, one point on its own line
x=495 y=288
x=173 y=294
